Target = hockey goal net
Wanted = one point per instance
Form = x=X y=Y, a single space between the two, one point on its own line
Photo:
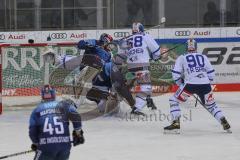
x=23 y=72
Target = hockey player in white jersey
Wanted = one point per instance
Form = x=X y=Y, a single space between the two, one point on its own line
x=141 y=48
x=193 y=73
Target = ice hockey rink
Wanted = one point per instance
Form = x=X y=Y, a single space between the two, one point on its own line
x=121 y=138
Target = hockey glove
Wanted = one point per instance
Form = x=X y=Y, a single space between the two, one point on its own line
x=179 y=82
x=34 y=146
x=156 y=56
x=78 y=137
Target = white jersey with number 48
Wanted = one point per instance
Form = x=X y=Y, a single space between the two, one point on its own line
x=194 y=68
x=142 y=46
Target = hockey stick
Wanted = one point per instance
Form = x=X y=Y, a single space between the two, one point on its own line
x=17 y=154
x=172 y=48
x=163 y=21
x=196 y=102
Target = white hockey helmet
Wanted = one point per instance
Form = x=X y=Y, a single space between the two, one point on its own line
x=137 y=28
x=191 y=45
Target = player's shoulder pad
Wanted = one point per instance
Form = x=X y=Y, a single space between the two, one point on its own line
x=67 y=106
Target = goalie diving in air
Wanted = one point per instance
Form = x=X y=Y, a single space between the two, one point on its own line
x=100 y=65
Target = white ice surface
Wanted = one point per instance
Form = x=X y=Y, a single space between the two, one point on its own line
x=112 y=138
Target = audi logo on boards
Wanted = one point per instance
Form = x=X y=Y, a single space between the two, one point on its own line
x=121 y=34
x=238 y=31
x=59 y=35
x=182 y=33
x=2 y=36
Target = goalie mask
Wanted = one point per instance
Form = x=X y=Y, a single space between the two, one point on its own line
x=191 y=45
x=48 y=93
x=137 y=28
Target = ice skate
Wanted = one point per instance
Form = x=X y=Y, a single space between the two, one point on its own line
x=226 y=125
x=173 y=128
x=136 y=112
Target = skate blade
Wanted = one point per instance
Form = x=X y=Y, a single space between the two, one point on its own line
x=137 y=116
x=174 y=131
x=228 y=131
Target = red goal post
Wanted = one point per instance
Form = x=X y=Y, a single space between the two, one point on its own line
x=21 y=71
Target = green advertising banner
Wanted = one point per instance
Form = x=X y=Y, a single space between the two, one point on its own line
x=23 y=67
x=161 y=70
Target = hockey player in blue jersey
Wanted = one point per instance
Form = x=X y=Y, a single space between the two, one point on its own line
x=110 y=82
x=110 y=79
x=49 y=127
x=193 y=73
x=103 y=72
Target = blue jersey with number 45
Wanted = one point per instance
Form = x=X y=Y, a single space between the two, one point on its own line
x=49 y=126
x=194 y=68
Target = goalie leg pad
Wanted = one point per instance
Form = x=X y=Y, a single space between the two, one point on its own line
x=83 y=79
x=112 y=105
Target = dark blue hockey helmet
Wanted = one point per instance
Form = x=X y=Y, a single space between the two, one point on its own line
x=137 y=28
x=105 y=39
x=48 y=93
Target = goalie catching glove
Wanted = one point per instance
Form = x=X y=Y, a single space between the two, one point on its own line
x=78 y=137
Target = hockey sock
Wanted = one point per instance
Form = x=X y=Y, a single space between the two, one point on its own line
x=174 y=109
x=215 y=111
